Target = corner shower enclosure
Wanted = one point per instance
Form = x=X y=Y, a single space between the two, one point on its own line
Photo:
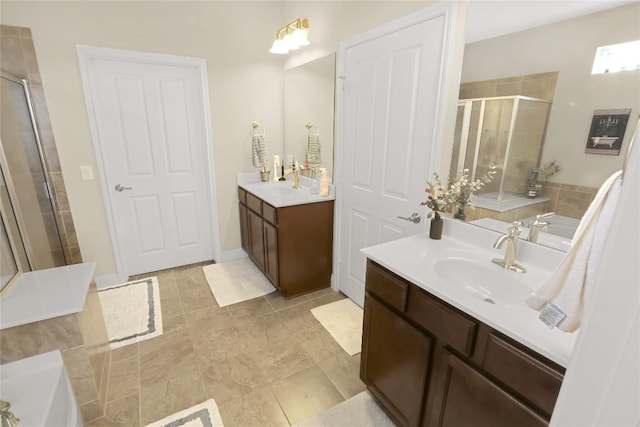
x=29 y=225
x=505 y=133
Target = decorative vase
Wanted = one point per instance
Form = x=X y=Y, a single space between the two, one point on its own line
x=265 y=176
x=437 y=223
x=460 y=214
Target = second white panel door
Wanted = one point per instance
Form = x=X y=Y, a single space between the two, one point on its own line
x=151 y=124
x=391 y=101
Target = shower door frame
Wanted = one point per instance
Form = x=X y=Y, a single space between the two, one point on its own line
x=22 y=228
x=467 y=104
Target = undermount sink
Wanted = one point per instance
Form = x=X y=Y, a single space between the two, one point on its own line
x=281 y=188
x=489 y=282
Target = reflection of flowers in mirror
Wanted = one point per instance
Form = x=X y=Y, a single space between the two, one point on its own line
x=549 y=170
x=458 y=194
x=534 y=186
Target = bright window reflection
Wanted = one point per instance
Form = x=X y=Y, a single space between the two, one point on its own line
x=617 y=57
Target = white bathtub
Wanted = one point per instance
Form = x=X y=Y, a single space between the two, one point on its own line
x=39 y=391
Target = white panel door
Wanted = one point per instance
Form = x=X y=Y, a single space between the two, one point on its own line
x=390 y=110
x=151 y=124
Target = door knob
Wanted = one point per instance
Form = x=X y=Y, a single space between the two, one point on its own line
x=120 y=188
x=415 y=218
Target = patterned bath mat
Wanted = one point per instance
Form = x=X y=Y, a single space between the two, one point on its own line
x=236 y=281
x=343 y=320
x=205 y=414
x=359 y=411
x=131 y=311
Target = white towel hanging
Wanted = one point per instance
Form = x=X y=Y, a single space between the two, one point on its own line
x=567 y=290
x=259 y=151
x=259 y=154
x=314 y=154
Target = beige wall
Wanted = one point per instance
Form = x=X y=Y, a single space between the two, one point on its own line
x=245 y=80
x=569 y=47
x=245 y=84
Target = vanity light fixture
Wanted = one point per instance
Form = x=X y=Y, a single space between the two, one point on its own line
x=291 y=36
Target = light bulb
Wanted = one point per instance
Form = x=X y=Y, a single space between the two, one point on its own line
x=300 y=36
x=290 y=42
x=279 y=47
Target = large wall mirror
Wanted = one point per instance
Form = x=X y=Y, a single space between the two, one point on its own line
x=309 y=108
x=527 y=99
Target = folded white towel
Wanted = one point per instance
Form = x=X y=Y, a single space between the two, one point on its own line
x=569 y=286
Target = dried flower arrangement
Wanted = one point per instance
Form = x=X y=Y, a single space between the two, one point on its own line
x=458 y=194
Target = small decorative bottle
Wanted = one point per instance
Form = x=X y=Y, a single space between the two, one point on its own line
x=324 y=182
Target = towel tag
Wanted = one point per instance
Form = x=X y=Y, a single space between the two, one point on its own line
x=551 y=315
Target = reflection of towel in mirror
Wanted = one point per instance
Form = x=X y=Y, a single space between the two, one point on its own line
x=569 y=286
x=314 y=156
x=259 y=151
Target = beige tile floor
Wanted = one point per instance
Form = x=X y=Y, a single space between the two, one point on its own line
x=266 y=361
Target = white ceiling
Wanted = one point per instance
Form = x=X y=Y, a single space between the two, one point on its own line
x=493 y=18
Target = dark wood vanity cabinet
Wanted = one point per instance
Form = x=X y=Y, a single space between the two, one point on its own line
x=291 y=245
x=396 y=363
x=429 y=364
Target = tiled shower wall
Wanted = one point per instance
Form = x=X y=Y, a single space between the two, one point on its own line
x=568 y=200
x=18 y=57
x=563 y=199
x=542 y=85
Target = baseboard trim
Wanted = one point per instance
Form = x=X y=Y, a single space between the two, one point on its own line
x=107 y=280
x=232 y=255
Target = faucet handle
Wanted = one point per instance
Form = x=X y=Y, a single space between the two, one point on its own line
x=546 y=215
x=515 y=229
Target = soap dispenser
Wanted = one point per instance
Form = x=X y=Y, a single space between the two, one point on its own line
x=324 y=182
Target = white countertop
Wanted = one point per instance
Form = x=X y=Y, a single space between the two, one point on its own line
x=39 y=391
x=278 y=199
x=413 y=259
x=44 y=294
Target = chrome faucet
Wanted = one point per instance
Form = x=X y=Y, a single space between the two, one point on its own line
x=296 y=177
x=512 y=237
x=538 y=225
x=7 y=417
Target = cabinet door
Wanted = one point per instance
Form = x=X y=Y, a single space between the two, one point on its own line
x=395 y=362
x=271 y=252
x=244 y=228
x=256 y=239
x=471 y=399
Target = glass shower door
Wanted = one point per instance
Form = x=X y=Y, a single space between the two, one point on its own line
x=494 y=141
x=28 y=194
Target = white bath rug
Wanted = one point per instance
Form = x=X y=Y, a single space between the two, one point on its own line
x=343 y=320
x=359 y=411
x=205 y=414
x=131 y=311
x=235 y=281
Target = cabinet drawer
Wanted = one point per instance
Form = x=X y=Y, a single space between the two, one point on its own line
x=527 y=375
x=254 y=203
x=386 y=286
x=242 y=195
x=269 y=213
x=454 y=328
